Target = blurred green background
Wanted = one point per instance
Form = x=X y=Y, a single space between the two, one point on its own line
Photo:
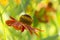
x=15 y=8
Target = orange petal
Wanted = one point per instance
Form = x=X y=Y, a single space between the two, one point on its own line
x=10 y=22
x=28 y=28
x=12 y=18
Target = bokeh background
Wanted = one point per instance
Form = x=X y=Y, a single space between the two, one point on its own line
x=15 y=8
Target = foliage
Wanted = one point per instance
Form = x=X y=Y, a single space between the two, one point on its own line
x=14 y=8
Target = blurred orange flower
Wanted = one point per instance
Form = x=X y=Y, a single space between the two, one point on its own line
x=17 y=1
x=4 y=2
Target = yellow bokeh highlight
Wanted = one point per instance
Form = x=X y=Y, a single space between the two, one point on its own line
x=3 y=2
x=44 y=33
x=17 y=1
x=28 y=10
x=52 y=30
x=4 y=31
x=58 y=20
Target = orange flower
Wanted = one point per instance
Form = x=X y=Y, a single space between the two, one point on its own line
x=23 y=24
x=42 y=4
